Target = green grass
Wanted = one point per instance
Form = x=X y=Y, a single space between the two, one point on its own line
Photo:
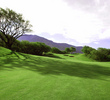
x=4 y=51
x=33 y=77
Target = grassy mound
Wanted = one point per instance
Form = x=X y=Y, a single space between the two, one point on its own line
x=4 y=51
x=31 y=77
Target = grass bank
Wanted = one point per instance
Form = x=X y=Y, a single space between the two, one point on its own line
x=33 y=77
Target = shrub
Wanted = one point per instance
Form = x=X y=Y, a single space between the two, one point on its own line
x=35 y=48
x=63 y=52
x=87 y=50
x=101 y=54
x=2 y=43
x=56 y=50
x=68 y=50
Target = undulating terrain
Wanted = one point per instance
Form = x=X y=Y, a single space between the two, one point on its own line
x=60 y=77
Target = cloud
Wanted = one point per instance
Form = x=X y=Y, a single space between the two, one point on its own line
x=105 y=34
x=84 y=21
x=100 y=43
x=88 y=5
x=96 y=42
x=101 y=17
x=59 y=38
x=100 y=8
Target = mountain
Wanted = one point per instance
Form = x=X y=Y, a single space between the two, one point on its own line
x=61 y=46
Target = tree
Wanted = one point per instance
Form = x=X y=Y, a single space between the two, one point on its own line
x=104 y=51
x=97 y=55
x=67 y=50
x=72 y=49
x=101 y=54
x=12 y=26
x=87 y=50
x=55 y=50
x=35 y=48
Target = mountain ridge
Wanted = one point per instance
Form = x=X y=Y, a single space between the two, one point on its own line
x=61 y=46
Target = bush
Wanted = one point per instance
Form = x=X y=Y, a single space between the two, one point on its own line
x=87 y=50
x=108 y=57
x=101 y=54
x=17 y=46
x=63 y=52
x=67 y=50
x=35 y=48
x=97 y=55
x=56 y=50
x=2 y=43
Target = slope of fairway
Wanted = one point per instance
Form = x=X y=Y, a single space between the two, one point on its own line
x=75 y=57
x=31 y=77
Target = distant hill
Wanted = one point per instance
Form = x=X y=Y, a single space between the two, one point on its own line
x=61 y=46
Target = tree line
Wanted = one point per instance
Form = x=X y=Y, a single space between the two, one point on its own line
x=66 y=51
x=101 y=54
x=35 y=48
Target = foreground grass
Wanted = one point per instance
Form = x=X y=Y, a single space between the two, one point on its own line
x=42 y=78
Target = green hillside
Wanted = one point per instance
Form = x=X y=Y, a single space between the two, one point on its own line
x=31 y=77
x=4 y=51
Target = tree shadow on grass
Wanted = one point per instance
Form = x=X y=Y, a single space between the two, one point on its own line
x=53 y=56
x=26 y=56
x=10 y=54
x=48 y=66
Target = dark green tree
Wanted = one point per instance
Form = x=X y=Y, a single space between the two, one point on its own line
x=67 y=50
x=55 y=50
x=72 y=49
x=87 y=50
x=35 y=48
x=101 y=54
x=12 y=26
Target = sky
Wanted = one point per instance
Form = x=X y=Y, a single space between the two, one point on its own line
x=77 y=22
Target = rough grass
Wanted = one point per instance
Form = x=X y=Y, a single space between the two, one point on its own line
x=33 y=77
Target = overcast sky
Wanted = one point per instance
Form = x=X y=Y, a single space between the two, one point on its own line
x=77 y=22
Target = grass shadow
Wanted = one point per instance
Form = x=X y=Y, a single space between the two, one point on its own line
x=49 y=66
x=52 y=55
